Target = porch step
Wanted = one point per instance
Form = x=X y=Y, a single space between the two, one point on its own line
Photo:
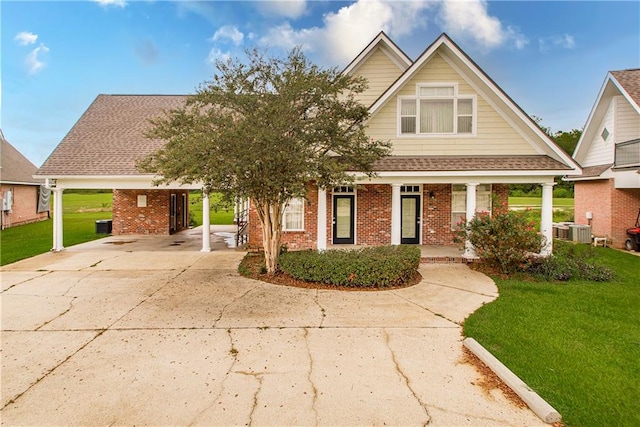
x=444 y=260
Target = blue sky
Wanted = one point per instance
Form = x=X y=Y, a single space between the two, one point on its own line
x=57 y=56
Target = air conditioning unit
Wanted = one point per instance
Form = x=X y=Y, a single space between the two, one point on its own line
x=7 y=200
x=580 y=233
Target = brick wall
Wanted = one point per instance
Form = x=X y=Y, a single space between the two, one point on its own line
x=614 y=210
x=373 y=217
x=128 y=218
x=25 y=205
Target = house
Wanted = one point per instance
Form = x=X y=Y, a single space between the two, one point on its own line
x=24 y=199
x=607 y=194
x=458 y=140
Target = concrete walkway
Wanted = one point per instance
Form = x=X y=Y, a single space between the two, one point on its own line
x=94 y=335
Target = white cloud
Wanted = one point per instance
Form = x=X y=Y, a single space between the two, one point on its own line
x=228 y=32
x=25 y=38
x=471 y=19
x=105 y=3
x=34 y=61
x=564 y=41
x=347 y=31
x=292 y=9
x=216 y=54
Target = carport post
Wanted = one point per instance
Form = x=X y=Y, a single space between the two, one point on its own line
x=206 y=222
x=470 y=251
x=57 y=220
x=546 y=218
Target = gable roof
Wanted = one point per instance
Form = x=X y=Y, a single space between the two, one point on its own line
x=623 y=82
x=14 y=167
x=388 y=46
x=487 y=88
x=109 y=137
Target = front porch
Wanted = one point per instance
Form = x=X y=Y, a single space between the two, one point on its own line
x=429 y=254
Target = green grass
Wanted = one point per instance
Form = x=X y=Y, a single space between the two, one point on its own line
x=537 y=202
x=221 y=213
x=81 y=210
x=577 y=344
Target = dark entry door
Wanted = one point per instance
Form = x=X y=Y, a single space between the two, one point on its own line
x=173 y=214
x=343 y=210
x=410 y=213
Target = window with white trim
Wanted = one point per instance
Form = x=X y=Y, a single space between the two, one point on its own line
x=293 y=215
x=437 y=109
x=459 y=202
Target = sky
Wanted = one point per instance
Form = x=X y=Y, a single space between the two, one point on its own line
x=57 y=56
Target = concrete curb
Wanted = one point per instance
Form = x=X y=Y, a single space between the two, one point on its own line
x=537 y=404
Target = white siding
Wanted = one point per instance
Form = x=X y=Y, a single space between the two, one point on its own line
x=494 y=135
x=627 y=121
x=380 y=71
x=601 y=151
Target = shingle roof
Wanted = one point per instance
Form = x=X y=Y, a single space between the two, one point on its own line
x=463 y=163
x=630 y=81
x=14 y=167
x=590 y=172
x=109 y=137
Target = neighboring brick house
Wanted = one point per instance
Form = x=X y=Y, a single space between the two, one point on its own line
x=100 y=152
x=457 y=139
x=19 y=191
x=607 y=194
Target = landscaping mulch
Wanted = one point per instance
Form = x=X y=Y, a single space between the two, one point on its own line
x=252 y=265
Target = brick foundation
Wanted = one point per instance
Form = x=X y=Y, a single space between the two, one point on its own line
x=128 y=218
x=614 y=210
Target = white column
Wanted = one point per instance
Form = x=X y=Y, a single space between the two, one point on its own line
x=322 y=219
x=58 y=243
x=470 y=251
x=546 y=220
x=206 y=222
x=396 y=214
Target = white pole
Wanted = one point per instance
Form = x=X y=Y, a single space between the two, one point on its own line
x=546 y=219
x=470 y=251
x=396 y=214
x=322 y=219
x=206 y=222
x=58 y=243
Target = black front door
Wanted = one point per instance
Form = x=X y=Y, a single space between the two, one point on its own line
x=173 y=214
x=410 y=213
x=343 y=210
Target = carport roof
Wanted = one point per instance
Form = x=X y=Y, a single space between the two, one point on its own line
x=109 y=137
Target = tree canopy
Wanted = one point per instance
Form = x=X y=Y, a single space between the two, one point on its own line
x=263 y=129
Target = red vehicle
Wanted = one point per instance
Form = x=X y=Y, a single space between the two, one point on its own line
x=633 y=241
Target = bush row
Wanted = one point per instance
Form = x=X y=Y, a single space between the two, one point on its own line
x=571 y=261
x=368 y=267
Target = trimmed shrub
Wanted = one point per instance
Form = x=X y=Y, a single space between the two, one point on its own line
x=504 y=240
x=368 y=267
x=571 y=261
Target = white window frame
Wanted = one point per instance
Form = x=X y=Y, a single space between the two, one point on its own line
x=455 y=97
x=463 y=194
x=298 y=202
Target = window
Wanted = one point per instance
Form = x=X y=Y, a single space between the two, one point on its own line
x=459 y=202
x=605 y=134
x=437 y=110
x=293 y=216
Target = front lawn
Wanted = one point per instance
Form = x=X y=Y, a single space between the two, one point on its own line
x=576 y=343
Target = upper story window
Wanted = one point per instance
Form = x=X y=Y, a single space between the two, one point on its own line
x=437 y=110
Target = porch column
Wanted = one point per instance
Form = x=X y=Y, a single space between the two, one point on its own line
x=396 y=214
x=206 y=222
x=470 y=251
x=58 y=243
x=546 y=219
x=322 y=219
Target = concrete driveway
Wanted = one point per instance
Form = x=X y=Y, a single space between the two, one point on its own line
x=154 y=337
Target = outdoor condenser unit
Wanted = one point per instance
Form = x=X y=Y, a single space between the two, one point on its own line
x=580 y=233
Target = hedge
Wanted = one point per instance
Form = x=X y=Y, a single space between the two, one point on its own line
x=368 y=267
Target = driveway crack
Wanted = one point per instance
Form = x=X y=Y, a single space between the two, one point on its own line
x=310 y=375
x=405 y=378
x=25 y=281
x=215 y=322
x=323 y=312
x=427 y=309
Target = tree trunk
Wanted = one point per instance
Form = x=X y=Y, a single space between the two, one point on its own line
x=270 y=216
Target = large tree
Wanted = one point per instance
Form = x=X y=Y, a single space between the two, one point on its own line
x=263 y=129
